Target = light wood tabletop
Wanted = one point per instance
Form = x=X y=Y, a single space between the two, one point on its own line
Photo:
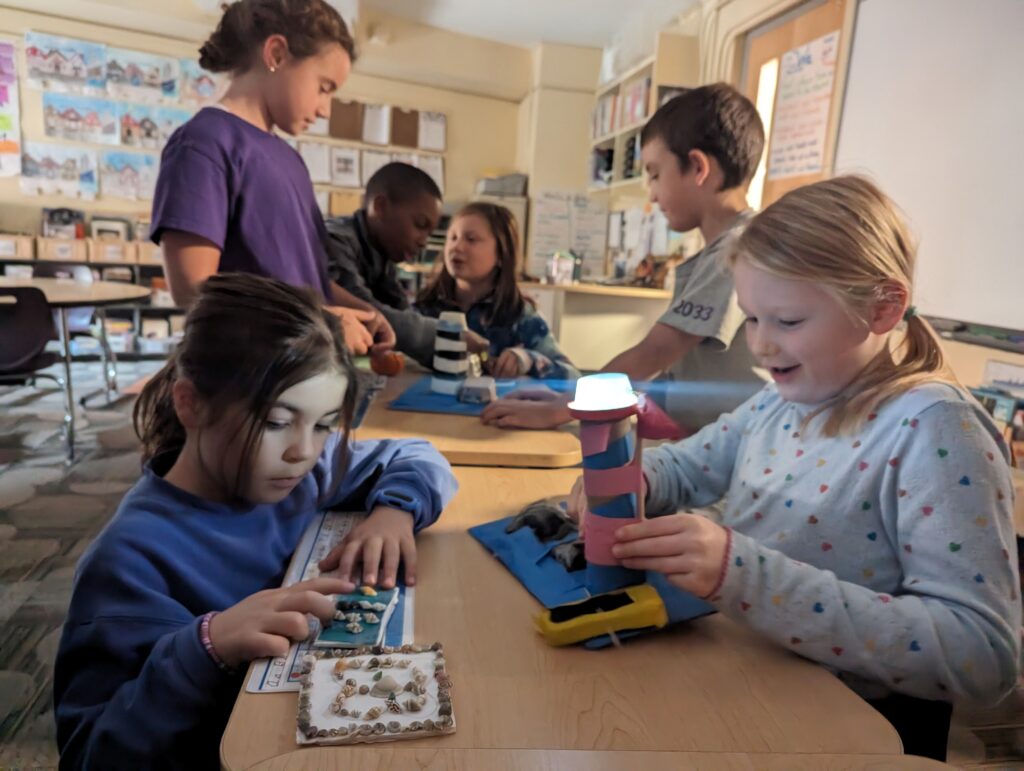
x=68 y=293
x=583 y=760
x=709 y=686
x=463 y=439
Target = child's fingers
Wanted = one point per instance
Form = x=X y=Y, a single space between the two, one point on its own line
x=667 y=565
x=346 y=562
x=656 y=546
x=308 y=601
x=291 y=624
x=390 y=555
x=651 y=528
x=323 y=585
x=372 y=548
x=264 y=645
x=408 y=549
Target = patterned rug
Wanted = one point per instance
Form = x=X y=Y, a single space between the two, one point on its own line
x=49 y=513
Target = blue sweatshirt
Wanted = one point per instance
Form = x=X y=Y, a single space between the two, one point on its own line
x=134 y=687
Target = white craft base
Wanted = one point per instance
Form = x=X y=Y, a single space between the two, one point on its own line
x=446 y=386
x=322 y=686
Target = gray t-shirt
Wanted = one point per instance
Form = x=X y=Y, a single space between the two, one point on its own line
x=719 y=373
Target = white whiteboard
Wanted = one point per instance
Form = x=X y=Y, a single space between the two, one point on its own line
x=934 y=112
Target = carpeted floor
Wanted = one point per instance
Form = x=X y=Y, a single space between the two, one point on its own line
x=49 y=513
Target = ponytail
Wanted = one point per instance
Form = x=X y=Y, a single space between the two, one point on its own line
x=155 y=420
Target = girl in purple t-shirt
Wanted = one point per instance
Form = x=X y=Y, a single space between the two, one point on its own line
x=234 y=197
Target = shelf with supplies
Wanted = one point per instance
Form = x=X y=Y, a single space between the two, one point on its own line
x=623 y=106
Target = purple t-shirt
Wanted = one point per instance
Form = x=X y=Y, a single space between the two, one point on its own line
x=248 y=192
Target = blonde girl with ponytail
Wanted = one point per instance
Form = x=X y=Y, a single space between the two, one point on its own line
x=867 y=520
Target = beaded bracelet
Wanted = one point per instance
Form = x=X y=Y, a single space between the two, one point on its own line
x=725 y=565
x=204 y=638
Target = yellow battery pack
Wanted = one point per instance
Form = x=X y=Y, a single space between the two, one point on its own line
x=635 y=607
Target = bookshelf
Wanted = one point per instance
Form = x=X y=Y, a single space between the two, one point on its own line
x=623 y=105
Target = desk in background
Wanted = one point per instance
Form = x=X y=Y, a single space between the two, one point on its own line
x=708 y=690
x=464 y=440
x=593 y=322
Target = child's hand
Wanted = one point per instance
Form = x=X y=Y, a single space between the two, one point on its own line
x=576 y=504
x=475 y=343
x=379 y=542
x=353 y=325
x=383 y=333
x=524 y=413
x=687 y=548
x=266 y=623
x=511 y=363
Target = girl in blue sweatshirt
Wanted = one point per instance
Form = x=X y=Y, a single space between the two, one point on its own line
x=181 y=589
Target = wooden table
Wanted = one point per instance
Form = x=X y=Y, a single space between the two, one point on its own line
x=663 y=701
x=393 y=758
x=63 y=294
x=463 y=439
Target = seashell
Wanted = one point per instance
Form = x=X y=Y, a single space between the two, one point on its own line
x=379 y=674
x=380 y=607
x=409 y=686
x=394 y=726
x=437 y=647
x=343 y=731
x=364 y=689
x=371 y=618
x=412 y=705
x=365 y=605
x=407 y=648
x=428 y=725
x=310 y=732
x=321 y=733
x=340 y=666
x=355 y=664
x=354 y=627
x=377 y=650
x=394 y=707
x=335 y=707
x=445 y=709
x=373 y=712
x=354 y=713
x=385 y=685
x=344 y=712
x=387 y=663
x=365 y=729
x=303 y=724
x=439 y=663
x=403 y=663
x=373 y=663
x=351 y=681
x=416 y=725
x=368 y=591
x=379 y=728
x=445 y=722
x=336 y=653
x=339 y=615
x=332 y=731
x=349 y=689
x=352 y=618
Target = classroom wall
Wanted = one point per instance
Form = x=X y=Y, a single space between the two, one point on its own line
x=482 y=126
x=722 y=25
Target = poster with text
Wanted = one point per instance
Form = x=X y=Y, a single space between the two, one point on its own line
x=10 y=123
x=145 y=77
x=802 y=108
x=80 y=118
x=64 y=64
x=58 y=170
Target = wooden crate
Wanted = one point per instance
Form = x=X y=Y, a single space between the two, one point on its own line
x=149 y=253
x=14 y=247
x=109 y=250
x=61 y=249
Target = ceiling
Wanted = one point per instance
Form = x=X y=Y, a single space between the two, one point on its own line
x=528 y=22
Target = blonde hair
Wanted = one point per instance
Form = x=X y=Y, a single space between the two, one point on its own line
x=846 y=236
